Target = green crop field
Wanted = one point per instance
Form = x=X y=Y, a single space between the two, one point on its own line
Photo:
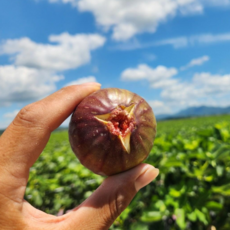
x=191 y=192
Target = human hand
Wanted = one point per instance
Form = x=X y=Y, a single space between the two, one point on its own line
x=20 y=146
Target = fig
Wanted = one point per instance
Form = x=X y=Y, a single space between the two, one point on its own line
x=112 y=130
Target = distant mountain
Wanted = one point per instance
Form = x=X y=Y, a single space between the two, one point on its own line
x=196 y=112
x=162 y=116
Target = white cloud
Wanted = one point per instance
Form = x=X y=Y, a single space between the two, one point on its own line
x=82 y=80
x=195 y=62
x=181 y=42
x=68 y=52
x=204 y=88
x=143 y=71
x=158 y=77
x=23 y=83
x=159 y=107
x=11 y=115
x=212 y=84
x=209 y=38
x=130 y=17
x=131 y=45
x=176 y=42
x=33 y=73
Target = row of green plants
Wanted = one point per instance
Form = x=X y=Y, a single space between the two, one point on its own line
x=192 y=190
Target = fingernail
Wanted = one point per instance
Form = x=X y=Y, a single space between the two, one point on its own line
x=147 y=175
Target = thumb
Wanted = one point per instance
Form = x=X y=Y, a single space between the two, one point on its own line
x=116 y=192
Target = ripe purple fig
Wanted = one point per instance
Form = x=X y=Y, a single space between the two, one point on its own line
x=112 y=130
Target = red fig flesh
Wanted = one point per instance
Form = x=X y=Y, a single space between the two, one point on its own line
x=112 y=130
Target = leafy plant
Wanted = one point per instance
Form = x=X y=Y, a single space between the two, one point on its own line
x=192 y=190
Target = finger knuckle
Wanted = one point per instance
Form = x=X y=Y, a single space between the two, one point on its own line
x=29 y=116
x=120 y=200
x=119 y=204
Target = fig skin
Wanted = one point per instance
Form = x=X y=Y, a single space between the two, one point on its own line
x=100 y=150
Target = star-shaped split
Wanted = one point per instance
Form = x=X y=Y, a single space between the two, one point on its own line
x=120 y=122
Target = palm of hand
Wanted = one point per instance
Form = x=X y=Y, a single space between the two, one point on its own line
x=20 y=146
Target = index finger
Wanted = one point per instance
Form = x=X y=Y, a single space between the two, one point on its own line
x=25 y=138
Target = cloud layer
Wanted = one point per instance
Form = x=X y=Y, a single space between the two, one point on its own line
x=194 y=40
x=176 y=42
x=11 y=115
x=68 y=52
x=25 y=84
x=130 y=17
x=176 y=93
x=34 y=71
x=158 y=77
x=195 y=62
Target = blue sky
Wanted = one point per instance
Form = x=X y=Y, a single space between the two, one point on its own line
x=174 y=53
